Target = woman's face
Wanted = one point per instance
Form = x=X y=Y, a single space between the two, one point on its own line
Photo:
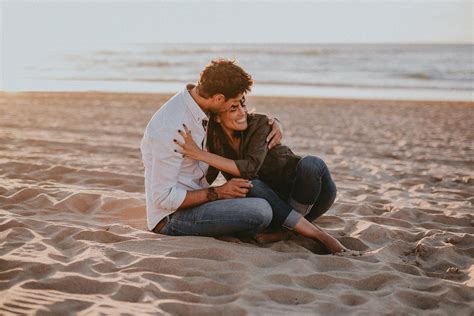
x=234 y=118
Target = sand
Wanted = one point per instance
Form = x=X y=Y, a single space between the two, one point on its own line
x=73 y=229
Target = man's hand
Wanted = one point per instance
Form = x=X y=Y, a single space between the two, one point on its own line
x=276 y=134
x=234 y=188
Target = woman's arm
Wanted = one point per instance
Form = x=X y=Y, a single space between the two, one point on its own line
x=218 y=162
x=256 y=147
x=248 y=167
x=190 y=149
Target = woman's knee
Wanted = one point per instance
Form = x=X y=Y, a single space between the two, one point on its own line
x=259 y=189
x=312 y=165
x=258 y=184
x=332 y=191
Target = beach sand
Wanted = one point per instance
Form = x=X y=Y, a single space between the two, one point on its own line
x=73 y=227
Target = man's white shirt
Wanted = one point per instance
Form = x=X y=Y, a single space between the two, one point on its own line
x=167 y=174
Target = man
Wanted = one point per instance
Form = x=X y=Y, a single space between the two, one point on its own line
x=178 y=197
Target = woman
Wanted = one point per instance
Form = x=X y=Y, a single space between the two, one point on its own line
x=298 y=189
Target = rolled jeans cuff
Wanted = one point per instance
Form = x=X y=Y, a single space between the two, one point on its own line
x=292 y=219
x=301 y=208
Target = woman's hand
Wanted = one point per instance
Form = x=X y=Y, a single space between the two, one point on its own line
x=188 y=148
x=333 y=244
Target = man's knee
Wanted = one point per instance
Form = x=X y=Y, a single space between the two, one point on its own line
x=261 y=213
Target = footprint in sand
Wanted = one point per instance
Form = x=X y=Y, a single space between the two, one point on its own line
x=289 y=296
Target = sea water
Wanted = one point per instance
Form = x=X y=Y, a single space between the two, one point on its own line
x=385 y=71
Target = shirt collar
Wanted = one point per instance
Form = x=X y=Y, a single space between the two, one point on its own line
x=196 y=111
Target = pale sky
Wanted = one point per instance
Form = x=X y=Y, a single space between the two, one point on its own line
x=40 y=23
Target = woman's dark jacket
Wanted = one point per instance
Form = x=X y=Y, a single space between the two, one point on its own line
x=275 y=167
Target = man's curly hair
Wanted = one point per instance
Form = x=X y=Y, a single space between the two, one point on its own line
x=223 y=76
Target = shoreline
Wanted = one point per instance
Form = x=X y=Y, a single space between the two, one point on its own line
x=257 y=98
x=259 y=89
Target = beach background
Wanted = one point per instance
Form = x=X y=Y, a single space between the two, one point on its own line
x=392 y=121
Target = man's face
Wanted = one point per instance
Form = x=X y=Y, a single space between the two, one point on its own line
x=219 y=103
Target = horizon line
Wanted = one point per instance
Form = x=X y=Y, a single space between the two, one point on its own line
x=305 y=43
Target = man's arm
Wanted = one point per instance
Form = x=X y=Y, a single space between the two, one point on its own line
x=164 y=168
x=234 y=188
x=166 y=165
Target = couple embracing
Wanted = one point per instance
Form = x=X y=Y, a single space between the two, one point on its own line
x=206 y=129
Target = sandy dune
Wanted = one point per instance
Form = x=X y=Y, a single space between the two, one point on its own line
x=72 y=215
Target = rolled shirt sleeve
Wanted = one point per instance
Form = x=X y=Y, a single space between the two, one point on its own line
x=165 y=170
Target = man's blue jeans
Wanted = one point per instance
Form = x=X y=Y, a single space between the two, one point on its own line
x=242 y=217
x=312 y=194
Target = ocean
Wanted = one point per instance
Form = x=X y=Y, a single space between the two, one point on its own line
x=385 y=71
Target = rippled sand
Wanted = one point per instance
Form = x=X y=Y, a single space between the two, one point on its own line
x=72 y=214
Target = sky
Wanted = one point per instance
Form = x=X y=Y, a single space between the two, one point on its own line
x=30 y=29
x=76 y=22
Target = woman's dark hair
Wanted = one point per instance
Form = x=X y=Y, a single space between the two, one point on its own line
x=215 y=134
x=225 y=77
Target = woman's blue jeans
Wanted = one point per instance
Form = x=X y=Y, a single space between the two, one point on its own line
x=312 y=194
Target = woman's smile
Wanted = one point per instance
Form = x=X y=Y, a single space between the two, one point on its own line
x=240 y=124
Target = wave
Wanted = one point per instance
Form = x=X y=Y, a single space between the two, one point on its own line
x=419 y=75
x=216 y=49
x=359 y=85
x=157 y=64
x=241 y=50
x=99 y=59
x=409 y=86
